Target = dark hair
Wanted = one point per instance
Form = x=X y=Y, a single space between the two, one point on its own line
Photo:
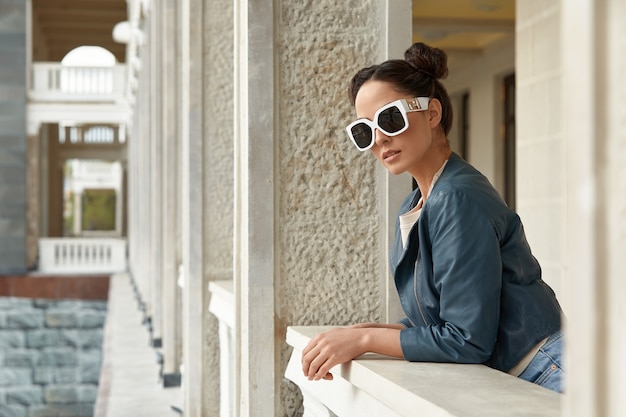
x=417 y=75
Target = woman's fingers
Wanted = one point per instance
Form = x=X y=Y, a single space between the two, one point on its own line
x=316 y=361
x=328 y=349
x=308 y=355
x=313 y=364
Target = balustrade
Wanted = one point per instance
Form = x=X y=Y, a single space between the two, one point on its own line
x=222 y=306
x=56 y=82
x=82 y=255
x=374 y=385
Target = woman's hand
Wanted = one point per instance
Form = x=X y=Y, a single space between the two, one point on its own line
x=343 y=344
x=331 y=348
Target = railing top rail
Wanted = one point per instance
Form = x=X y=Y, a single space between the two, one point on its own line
x=46 y=64
x=90 y=240
x=411 y=388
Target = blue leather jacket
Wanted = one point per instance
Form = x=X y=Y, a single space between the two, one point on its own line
x=470 y=288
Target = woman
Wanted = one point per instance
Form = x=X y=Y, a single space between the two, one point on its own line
x=470 y=288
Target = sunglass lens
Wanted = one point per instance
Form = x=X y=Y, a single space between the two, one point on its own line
x=391 y=120
x=362 y=135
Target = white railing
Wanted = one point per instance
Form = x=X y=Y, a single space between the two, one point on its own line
x=373 y=385
x=86 y=255
x=53 y=82
x=222 y=306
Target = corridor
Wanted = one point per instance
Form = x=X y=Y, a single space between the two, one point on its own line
x=129 y=380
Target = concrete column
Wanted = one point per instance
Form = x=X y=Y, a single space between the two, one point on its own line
x=55 y=183
x=157 y=174
x=571 y=157
x=215 y=79
x=397 y=29
x=140 y=151
x=200 y=393
x=43 y=180
x=335 y=206
x=78 y=214
x=33 y=188
x=255 y=138
x=611 y=45
x=13 y=193
x=585 y=382
x=169 y=191
x=122 y=214
x=593 y=50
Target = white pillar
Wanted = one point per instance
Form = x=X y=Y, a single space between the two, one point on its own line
x=142 y=132
x=169 y=188
x=119 y=199
x=156 y=174
x=578 y=30
x=78 y=214
x=594 y=112
x=393 y=189
x=33 y=192
x=254 y=207
x=198 y=388
x=613 y=222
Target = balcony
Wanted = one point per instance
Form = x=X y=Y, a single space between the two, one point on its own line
x=78 y=95
x=76 y=256
x=375 y=385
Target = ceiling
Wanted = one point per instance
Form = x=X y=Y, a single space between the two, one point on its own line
x=462 y=26
x=457 y=26
x=62 y=25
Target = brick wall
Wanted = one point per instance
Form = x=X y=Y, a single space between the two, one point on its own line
x=50 y=356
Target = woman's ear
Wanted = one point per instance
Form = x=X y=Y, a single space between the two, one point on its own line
x=434 y=112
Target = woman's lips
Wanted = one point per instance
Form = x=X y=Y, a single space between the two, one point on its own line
x=389 y=156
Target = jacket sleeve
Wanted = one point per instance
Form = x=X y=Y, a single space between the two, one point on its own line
x=461 y=240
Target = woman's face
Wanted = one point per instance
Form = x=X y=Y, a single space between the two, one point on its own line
x=408 y=151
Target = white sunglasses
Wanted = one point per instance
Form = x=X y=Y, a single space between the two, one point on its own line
x=391 y=119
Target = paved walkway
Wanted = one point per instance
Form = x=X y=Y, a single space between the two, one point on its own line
x=129 y=381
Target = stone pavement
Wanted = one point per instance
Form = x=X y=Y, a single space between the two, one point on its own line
x=129 y=382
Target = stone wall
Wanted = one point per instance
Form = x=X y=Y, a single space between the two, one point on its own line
x=50 y=356
x=218 y=126
x=328 y=209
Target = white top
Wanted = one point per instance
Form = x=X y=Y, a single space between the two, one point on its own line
x=408 y=219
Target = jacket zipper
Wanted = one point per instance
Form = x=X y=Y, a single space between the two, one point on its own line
x=419 y=305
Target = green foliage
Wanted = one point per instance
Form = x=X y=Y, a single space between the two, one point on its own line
x=98 y=209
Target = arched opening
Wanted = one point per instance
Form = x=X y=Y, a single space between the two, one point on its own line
x=87 y=70
x=89 y=56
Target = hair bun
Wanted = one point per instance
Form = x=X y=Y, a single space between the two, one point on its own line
x=428 y=60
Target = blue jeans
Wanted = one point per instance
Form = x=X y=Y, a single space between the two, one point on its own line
x=546 y=368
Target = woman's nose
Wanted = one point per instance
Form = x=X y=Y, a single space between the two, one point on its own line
x=379 y=137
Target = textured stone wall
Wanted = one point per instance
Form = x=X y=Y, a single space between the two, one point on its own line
x=218 y=175
x=218 y=128
x=12 y=136
x=328 y=211
x=50 y=355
